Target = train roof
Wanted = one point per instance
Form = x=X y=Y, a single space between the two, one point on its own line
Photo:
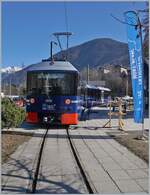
x=56 y=66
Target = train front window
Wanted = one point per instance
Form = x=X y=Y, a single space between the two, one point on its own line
x=52 y=83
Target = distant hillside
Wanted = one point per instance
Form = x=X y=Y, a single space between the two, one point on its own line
x=97 y=52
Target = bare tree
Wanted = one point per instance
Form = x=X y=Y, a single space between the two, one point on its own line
x=145 y=23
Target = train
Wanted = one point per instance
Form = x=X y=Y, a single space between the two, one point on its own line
x=94 y=95
x=52 y=93
x=55 y=96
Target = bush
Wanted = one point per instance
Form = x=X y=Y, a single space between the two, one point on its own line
x=12 y=116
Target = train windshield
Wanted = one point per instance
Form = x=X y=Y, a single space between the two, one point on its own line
x=52 y=83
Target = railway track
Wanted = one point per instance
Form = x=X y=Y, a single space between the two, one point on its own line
x=82 y=170
x=36 y=176
x=91 y=188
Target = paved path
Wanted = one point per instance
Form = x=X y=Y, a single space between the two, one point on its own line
x=110 y=166
x=18 y=172
x=59 y=172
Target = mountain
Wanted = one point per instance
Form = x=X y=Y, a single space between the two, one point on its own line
x=96 y=53
x=15 y=77
x=11 y=69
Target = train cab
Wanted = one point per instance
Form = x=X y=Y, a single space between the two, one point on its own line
x=52 y=93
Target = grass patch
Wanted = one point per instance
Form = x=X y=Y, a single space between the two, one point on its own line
x=10 y=143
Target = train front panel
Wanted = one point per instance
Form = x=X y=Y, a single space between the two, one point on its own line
x=52 y=97
x=56 y=110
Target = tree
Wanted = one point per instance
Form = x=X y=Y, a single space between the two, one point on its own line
x=12 y=116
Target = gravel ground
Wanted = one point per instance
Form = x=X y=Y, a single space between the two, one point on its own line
x=10 y=142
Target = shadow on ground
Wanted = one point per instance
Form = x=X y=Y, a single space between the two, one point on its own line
x=26 y=174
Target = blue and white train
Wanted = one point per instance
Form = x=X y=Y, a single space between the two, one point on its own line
x=52 y=93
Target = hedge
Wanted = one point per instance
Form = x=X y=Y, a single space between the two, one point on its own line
x=12 y=116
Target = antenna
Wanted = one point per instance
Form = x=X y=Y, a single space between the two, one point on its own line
x=67 y=34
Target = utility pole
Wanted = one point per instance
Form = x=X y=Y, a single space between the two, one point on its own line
x=51 y=51
x=3 y=87
x=10 y=86
x=87 y=84
x=127 y=85
x=88 y=74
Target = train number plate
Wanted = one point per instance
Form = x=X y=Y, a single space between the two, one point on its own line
x=50 y=107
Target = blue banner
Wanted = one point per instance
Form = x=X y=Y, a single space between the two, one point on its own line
x=136 y=62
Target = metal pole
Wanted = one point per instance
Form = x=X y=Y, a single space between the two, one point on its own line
x=10 y=86
x=67 y=47
x=87 y=83
x=102 y=96
x=140 y=31
x=51 y=51
x=88 y=74
x=4 y=88
x=110 y=114
x=127 y=85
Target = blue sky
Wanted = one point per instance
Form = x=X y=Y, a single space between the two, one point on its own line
x=27 y=26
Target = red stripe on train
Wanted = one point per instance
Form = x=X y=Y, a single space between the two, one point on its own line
x=32 y=117
x=69 y=119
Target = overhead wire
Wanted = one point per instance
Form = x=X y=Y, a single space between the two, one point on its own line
x=67 y=25
x=66 y=16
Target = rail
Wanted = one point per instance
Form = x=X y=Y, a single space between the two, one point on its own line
x=89 y=187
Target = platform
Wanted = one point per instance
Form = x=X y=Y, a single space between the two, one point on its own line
x=111 y=167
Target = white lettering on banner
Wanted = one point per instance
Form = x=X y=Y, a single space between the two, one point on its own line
x=139 y=70
x=132 y=41
x=134 y=69
x=139 y=93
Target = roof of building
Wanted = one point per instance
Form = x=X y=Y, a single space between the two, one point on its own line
x=97 y=87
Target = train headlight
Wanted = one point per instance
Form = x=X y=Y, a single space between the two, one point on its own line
x=32 y=100
x=67 y=101
x=45 y=119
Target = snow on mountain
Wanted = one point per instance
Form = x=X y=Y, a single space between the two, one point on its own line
x=10 y=69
